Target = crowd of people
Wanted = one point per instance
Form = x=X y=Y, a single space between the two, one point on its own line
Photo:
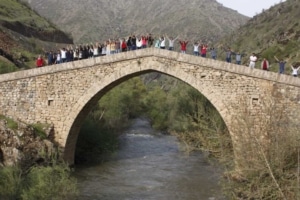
x=131 y=43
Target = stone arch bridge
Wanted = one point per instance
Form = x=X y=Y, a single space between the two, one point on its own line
x=64 y=94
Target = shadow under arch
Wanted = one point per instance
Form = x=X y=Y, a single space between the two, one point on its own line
x=85 y=104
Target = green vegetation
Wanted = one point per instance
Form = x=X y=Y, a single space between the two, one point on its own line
x=99 y=133
x=188 y=22
x=24 y=34
x=38 y=182
x=6 y=67
x=267 y=171
x=52 y=182
x=274 y=32
x=269 y=168
x=17 y=11
x=39 y=129
x=39 y=173
x=10 y=123
x=10 y=182
x=171 y=106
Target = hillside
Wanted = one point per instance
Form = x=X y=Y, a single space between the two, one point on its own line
x=274 y=32
x=96 y=20
x=23 y=34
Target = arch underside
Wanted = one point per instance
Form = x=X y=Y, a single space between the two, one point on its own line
x=101 y=87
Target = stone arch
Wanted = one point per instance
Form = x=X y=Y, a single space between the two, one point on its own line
x=85 y=103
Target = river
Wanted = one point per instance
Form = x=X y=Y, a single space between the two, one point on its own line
x=150 y=166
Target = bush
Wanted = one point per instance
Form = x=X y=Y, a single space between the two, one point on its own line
x=7 y=67
x=269 y=154
x=50 y=182
x=10 y=182
x=94 y=139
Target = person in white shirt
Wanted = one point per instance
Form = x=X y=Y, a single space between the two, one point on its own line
x=171 y=41
x=196 y=48
x=295 y=71
x=139 y=43
x=162 y=42
x=253 y=60
x=63 y=55
x=95 y=50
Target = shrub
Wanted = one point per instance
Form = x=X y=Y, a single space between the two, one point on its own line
x=51 y=182
x=268 y=148
x=94 y=139
x=7 y=67
x=10 y=182
x=38 y=182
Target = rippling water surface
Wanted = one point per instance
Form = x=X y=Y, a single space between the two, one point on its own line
x=150 y=166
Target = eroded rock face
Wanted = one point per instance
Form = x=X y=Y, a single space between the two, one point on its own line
x=24 y=145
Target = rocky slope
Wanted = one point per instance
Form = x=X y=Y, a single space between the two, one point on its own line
x=94 y=20
x=23 y=32
x=22 y=143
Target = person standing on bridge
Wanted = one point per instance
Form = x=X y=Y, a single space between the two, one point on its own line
x=183 y=45
x=253 y=60
x=129 y=43
x=150 y=40
x=50 y=57
x=144 y=41
x=196 y=48
x=139 y=43
x=228 y=55
x=39 y=61
x=133 y=43
x=162 y=42
x=281 y=63
x=112 y=44
x=63 y=55
x=265 y=64
x=238 y=58
x=213 y=53
x=295 y=70
x=157 y=43
x=171 y=41
x=204 y=50
x=123 y=45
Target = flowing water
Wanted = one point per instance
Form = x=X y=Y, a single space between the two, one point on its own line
x=150 y=166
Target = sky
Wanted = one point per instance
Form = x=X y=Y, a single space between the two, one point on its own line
x=249 y=7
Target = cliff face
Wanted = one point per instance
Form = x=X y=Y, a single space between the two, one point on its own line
x=94 y=20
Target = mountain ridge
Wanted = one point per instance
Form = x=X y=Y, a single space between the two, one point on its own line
x=99 y=20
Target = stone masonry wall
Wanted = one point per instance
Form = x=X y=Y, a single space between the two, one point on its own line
x=63 y=94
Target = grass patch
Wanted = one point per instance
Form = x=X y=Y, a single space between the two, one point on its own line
x=13 y=11
x=38 y=182
x=10 y=122
x=6 y=67
x=39 y=129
